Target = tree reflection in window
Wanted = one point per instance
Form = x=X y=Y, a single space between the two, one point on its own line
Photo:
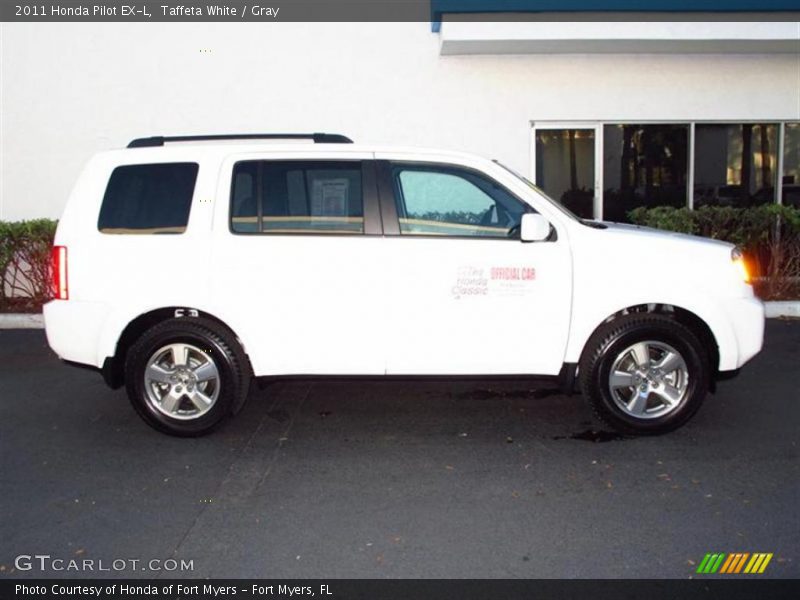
x=735 y=164
x=643 y=165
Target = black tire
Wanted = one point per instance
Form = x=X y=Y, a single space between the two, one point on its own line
x=613 y=338
x=218 y=343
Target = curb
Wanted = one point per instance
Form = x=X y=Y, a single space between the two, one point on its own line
x=774 y=310
x=782 y=309
x=21 y=321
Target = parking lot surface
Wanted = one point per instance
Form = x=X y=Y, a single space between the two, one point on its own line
x=396 y=478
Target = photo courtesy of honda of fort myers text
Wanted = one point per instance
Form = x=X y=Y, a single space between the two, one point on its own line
x=437 y=298
x=135 y=589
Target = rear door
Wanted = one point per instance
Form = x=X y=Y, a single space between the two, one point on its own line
x=465 y=295
x=296 y=258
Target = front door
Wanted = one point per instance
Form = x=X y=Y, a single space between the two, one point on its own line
x=466 y=296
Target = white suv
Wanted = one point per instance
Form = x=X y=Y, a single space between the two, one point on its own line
x=184 y=267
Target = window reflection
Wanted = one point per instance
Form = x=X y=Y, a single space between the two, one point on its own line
x=565 y=167
x=643 y=165
x=735 y=164
x=791 y=165
x=646 y=165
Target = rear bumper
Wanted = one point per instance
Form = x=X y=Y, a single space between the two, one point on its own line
x=73 y=329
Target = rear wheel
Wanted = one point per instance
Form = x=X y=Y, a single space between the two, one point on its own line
x=184 y=376
x=645 y=374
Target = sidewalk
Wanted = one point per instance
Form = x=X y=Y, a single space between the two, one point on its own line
x=774 y=310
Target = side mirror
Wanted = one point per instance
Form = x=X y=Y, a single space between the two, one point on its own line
x=534 y=228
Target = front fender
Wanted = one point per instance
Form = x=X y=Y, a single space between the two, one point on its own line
x=713 y=313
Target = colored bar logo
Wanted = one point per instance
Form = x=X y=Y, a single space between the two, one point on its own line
x=734 y=563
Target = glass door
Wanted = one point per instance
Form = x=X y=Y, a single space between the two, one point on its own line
x=565 y=159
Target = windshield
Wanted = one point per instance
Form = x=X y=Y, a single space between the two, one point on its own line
x=534 y=187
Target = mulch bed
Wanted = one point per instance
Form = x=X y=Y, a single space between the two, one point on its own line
x=20 y=305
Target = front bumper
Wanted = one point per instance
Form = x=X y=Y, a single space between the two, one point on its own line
x=746 y=317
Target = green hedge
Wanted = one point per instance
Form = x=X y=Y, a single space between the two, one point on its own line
x=25 y=264
x=769 y=235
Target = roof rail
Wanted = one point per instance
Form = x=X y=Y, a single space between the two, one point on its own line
x=318 y=138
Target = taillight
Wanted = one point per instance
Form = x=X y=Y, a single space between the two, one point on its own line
x=60 y=289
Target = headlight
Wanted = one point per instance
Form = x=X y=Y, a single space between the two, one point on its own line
x=740 y=264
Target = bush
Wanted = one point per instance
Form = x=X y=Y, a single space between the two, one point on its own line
x=769 y=235
x=25 y=264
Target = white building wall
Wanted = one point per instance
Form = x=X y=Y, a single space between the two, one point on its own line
x=69 y=90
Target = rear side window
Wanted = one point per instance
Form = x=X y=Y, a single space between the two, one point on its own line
x=147 y=199
x=297 y=197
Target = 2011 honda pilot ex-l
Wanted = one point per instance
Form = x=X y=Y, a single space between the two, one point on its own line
x=184 y=267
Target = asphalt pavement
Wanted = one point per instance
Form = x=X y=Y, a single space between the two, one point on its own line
x=395 y=478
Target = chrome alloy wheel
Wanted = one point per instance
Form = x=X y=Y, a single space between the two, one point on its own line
x=181 y=381
x=649 y=380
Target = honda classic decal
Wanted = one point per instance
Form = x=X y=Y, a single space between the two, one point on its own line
x=493 y=281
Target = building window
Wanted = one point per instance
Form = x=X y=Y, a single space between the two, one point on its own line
x=735 y=164
x=791 y=165
x=647 y=165
x=565 y=167
x=643 y=165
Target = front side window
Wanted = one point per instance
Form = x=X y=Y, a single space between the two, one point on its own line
x=297 y=197
x=449 y=201
x=148 y=199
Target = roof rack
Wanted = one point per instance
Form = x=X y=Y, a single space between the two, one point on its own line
x=318 y=138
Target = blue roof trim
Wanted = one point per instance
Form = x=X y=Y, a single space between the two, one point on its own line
x=440 y=7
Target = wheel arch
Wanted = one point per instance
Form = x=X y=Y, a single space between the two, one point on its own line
x=115 y=348
x=689 y=318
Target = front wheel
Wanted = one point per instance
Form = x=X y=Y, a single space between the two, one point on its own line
x=184 y=376
x=645 y=374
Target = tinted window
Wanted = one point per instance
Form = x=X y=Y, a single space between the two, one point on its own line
x=791 y=166
x=565 y=167
x=454 y=202
x=153 y=198
x=643 y=165
x=735 y=165
x=297 y=197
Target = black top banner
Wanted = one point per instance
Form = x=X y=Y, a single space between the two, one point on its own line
x=187 y=11
x=197 y=11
